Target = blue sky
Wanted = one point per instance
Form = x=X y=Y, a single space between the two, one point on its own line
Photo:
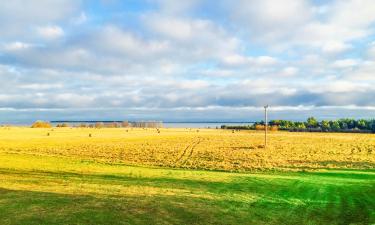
x=197 y=60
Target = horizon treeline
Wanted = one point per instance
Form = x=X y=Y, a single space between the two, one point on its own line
x=141 y=124
x=312 y=124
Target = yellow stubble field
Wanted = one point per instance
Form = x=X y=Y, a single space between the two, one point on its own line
x=211 y=149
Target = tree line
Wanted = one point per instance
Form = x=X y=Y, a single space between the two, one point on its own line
x=138 y=124
x=313 y=125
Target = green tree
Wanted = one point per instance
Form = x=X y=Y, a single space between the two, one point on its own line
x=325 y=125
x=300 y=125
x=343 y=124
x=312 y=122
x=361 y=124
x=335 y=126
x=351 y=123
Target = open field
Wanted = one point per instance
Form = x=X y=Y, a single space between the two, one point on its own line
x=122 y=177
x=187 y=148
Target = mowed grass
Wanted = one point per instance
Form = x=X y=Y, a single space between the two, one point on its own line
x=126 y=177
x=52 y=190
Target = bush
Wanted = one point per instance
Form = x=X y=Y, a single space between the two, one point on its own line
x=269 y=128
x=41 y=124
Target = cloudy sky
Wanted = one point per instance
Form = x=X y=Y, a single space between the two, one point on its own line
x=193 y=60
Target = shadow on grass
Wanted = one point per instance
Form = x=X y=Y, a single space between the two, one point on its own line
x=280 y=201
x=338 y=164
x=30 y=207
x=350 y=175
x=347 y=163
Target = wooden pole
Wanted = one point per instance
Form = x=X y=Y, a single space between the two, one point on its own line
x=265 y=126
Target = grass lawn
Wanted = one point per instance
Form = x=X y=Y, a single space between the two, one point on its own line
x=60 y=190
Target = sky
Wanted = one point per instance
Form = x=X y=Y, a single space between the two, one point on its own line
x=193 y=60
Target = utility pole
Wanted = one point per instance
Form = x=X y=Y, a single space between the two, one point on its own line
x=265 y=126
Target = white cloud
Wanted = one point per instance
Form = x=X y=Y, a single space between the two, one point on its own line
x=240 y=60
x=364 y=73
x=177 y=28
x=279 y=25
x=265 y=60
x=335 y=47
x=344 y=63
x=289 y=71
x=81 y=19
x=270 y=20
x=17 y=16
x=371 y=50
x=195 y=84
x=39 y=87
x=355 y=14
x=235 y=60
x=116 y=40
x=16 y=46
x=193 y=39
x=50 y=32
x=218 y=72
x=342 y=86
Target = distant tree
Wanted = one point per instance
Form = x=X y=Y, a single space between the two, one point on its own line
x=275 y=123
x=325 y=125
x=361 y=124
x=288 y=124
x=125 y=124
x=112 y=125
x=62 y=125
x=259 y=127
x=83 y=125
x=335 y=126
x=274 y=128
x=369 y=124
x=351 y=123
x=343 y=124
x=99 y=125
x=312 y=122
x=41 y=124
x=300 y=125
